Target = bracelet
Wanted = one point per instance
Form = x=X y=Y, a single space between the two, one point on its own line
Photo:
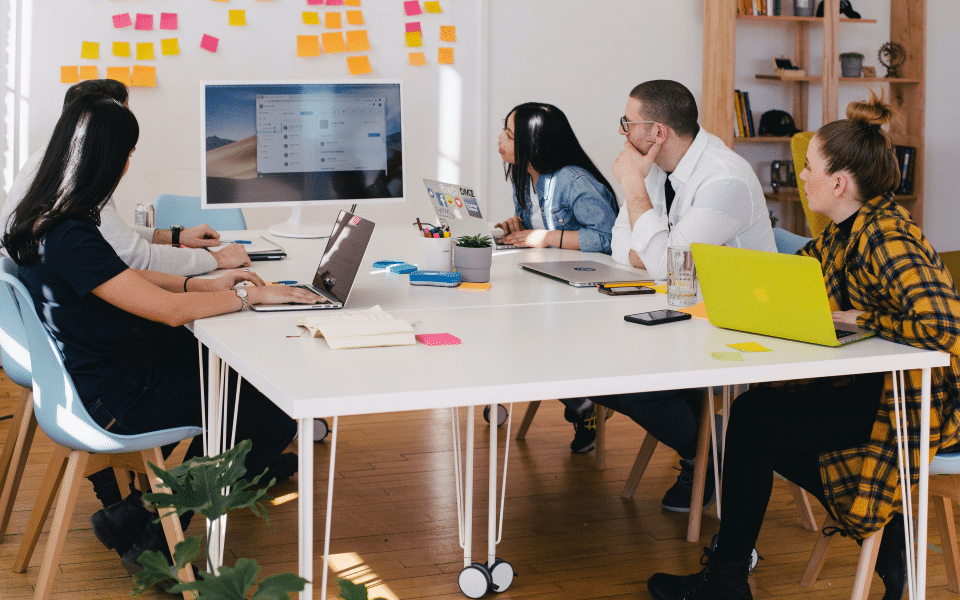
x=185 y=280
x=561 y=238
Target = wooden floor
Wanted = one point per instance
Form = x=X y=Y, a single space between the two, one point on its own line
x=567 y=532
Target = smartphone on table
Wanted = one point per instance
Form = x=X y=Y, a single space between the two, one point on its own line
x=625 y=290
x=657 y=317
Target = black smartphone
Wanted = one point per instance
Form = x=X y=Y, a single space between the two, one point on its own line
x=656 y=317
x=626 y=290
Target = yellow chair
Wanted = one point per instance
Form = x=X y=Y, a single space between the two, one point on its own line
x=798 y=146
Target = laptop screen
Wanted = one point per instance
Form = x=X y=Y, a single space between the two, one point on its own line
x=343 y=255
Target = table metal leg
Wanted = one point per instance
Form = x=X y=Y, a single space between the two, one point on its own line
x=924 y=485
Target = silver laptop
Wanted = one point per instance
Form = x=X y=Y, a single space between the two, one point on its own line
x=585 y=273
x=338 y=266
x=457 y=207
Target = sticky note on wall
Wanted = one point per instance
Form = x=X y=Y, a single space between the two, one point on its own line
x=144 y=22
x=121 y=74
x=170 y=47
x=144 y=76
x=417 y=59
x=445 y=56
x=411 y=8
x=357 y=41
x=333 y=42
x=432 y=7
x=333 y=20
x=448 y=33
x=359 y=65
x=334 y=2
x=314 y=2
x=209 y=43
x=122 y=20
x=311 y=17
x=352 y=2
x=308 y=45
x=145 y=51
x=88 y=72
x=238 y=18
x=355 y=17
x=168 y=21
x=121 y=49
x=413 y=26
x=90 y=50
x=69 y=74
x=414 y=39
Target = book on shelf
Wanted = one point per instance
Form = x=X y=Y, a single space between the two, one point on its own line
x=359 y=329
x=748 y=114
x=906 y=157
x=738 y=112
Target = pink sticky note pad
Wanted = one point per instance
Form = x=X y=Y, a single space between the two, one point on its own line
x=314 y=2
x=144 y=22
x=209 y=43
x=412 y=8
x=438 y=339
x=122 y=20
x=413 y=26
x=168 y=20
x=334 y=2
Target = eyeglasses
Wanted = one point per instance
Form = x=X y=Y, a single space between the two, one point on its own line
x=625 y=124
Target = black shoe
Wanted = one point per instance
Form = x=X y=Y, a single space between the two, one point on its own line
x=678 y=497
x=584 y=437
x=282 y=468
x=892 y=559
x=120 y=525
x=718 y=580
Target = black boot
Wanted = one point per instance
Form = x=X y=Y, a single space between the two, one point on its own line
x=718 y=580
x=119 y=525
x=892 y=559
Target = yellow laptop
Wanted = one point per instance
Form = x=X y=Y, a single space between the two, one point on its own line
x=780 y=295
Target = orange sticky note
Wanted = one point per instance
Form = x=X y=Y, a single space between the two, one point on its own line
x=417 y=59
x=170 y=47
x=432 y=7
x=357 y=41
x=145 y=51
x=88 y=72
x=448 y=33
x=359 y=65
x=311 y=18
x=238 y=18
x=333 y=42
x=308 y=45
x=445 y=56
x=355 y=17
x=121 y=74
x=414 y=39
x=90 y=50
x=144 y=76
x=69 y=74
x=333 y=20
x=121 y=48
x=352 y=2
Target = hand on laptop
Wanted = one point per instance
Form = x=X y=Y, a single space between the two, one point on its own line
x=231 y=256
x=511 y=225
x=847 y=316
x=282 y=294
x=225 y=282
x=528 y=238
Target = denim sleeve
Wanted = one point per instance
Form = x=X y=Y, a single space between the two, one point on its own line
x=593 y=207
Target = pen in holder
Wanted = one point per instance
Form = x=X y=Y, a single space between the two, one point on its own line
x=436 y=254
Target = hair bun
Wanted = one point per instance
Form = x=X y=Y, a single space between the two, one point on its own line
x=872 y=113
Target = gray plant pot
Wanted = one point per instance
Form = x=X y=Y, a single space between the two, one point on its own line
x=851 y=66
x=804 y=8
x=473 y=264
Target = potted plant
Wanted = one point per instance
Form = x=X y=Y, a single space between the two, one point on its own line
x=851 y=64
x=473 y=257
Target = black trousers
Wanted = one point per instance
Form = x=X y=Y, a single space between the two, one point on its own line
x=770 y=430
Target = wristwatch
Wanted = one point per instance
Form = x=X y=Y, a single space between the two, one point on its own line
x=175 y=234
x=242 y=294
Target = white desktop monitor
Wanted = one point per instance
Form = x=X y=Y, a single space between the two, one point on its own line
x=301 y=143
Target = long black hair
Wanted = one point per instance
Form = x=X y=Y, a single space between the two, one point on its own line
x=80 y=169
x=544 y=140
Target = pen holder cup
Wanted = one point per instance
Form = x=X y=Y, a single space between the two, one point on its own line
x=681 y=277
x=436 y=254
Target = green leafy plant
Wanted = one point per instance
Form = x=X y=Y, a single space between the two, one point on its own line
x=473 y=241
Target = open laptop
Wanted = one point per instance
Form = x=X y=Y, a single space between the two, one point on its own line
x=457 y=207
x=780 y=295
x=585 y=273
x=338 y=266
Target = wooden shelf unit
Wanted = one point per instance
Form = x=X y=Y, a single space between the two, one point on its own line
x=907 y=94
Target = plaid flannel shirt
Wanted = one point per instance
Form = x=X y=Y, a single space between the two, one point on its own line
x=890 y=271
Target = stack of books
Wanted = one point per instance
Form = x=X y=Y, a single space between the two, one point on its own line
x=744 y=124
x=906 y=157
x=770 y=8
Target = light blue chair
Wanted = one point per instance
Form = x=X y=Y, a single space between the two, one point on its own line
x=170 y=210
x=788 y=242
x=62 y=416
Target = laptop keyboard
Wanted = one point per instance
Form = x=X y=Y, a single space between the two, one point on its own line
x=312 y=288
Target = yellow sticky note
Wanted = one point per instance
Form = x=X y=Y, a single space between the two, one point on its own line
x=418 y=59
x=357 y=41
x=448 y=33
x=121 y=48
x=661 y=289
x=333 y=42
x=749 y=347
x=445 y=56
x=352 y=2
x=731 y=356
x=355 y=17
x=311 y=18
x=479 y=287
x=414 y=39
x=69 y=74
x=88 y=72
x=359 y=65
x=121 y=74
x=144 y=76
x=308 y=45
x=170 y=47
x=145 y=51
x=432 y=7
x=90 y=50
x=238 y=18
x=332 y=20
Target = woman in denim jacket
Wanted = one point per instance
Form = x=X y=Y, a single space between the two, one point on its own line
x=572 y=205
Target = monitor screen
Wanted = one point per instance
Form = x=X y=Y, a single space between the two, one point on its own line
x=301 y=143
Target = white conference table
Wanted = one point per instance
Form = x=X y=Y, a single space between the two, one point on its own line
x=571 y=342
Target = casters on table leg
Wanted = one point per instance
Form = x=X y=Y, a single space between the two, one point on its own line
x=501 y=576
x=754 y=559
x=501 y=414
x=475 y=581
x=320 y=429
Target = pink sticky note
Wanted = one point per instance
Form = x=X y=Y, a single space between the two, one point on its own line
x=413 y=26
x=168 y=21
x=314 y=2
x=334 y=2
x=412 y=8
x=144 y=22
x=209 y=43
x=438 y=339
x=122 y=20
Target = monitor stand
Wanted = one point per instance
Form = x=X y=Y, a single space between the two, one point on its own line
x=294 y=228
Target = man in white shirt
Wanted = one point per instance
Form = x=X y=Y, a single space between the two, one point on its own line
x=139 y=247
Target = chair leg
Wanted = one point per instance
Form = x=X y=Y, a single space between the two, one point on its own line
x=818 y=556
x=16 y=450
x=601 y=421
x=69 y=489
x=639 y=466
x=528 y=419
x=41 y=508
x=868 y=559
x=803 y=505
x=171 y=524
x=948 y=541
x=700 y=472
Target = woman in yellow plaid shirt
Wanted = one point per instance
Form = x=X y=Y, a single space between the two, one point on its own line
x=882 y=274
